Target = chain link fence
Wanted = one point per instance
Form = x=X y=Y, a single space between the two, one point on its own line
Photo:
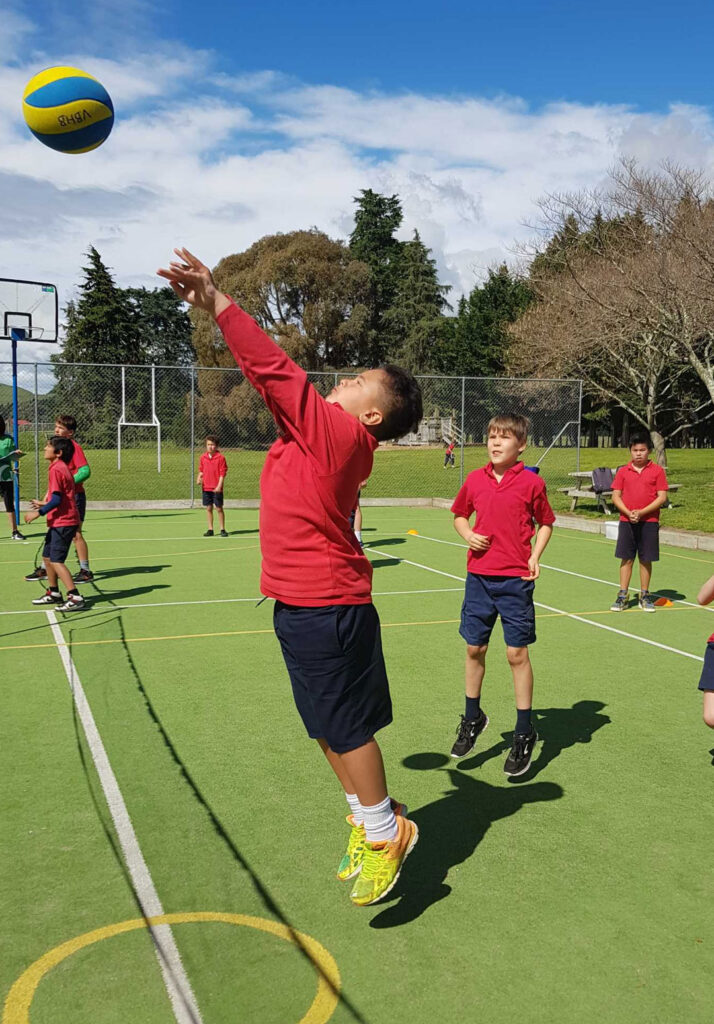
x=143 y=429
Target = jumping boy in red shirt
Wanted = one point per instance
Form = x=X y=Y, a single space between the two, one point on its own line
x=639 y=491
x=314 y=568
x=502 y=569
x=212 y=469
x=63 y=521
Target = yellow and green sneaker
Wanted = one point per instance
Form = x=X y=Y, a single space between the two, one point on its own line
x=351 y=863
x=382 y=862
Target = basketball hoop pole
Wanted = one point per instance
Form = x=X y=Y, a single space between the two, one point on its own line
x=16 y=334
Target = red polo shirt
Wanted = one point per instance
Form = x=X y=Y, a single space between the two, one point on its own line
x=639 y=489
x=506 y=512
x=78 y=460
x=213 y=466
x=310 y=479
x=60 y=479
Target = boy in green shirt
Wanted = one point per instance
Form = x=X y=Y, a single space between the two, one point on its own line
x=8 y=453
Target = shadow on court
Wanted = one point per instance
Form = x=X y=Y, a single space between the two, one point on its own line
x=103 y=596
x=381 y=563
x=673 y=595
x=557 y=728
x=450 y=830
x=388 y=541
x=129 y=570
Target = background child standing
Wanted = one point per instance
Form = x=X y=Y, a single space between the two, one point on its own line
x=502 y=570
x=212 y=469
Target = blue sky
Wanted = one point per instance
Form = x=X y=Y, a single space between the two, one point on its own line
x=237 y=120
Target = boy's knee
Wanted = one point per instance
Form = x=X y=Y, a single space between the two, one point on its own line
x=708 y=716
x=476 y=650
x=517 y=655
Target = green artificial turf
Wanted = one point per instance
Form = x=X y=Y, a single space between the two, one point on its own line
x=578 y=892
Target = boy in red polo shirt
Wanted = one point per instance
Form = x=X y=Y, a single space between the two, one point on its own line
x=639 y=491
x=212 y=469
x=315 y=569
x=502 y=569
x=706 y=681
x=62 y=520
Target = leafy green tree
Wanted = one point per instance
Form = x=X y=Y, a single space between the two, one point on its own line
x=162 y=326
x=416 y=314
x=476 y=339
x=373 y=242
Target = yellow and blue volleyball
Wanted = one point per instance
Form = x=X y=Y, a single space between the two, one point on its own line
x=68 y=110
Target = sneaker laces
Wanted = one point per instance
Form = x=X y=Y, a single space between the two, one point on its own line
x=464 y=729
x=519 y=744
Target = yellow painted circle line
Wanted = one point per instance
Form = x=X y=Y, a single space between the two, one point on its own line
x=17 y=1005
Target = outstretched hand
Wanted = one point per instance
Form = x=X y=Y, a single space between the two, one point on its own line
x=192 y=281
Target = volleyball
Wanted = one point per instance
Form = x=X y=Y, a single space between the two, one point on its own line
x=68 y=110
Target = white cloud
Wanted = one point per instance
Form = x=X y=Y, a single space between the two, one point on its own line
x=215 y=161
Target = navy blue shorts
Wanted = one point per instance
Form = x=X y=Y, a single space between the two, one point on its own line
x=334 y=658
x=81 y=499
x=641 y=539
x=486 y=598
x=707 y=679
x=58 y=541
x=213 y=498
x=7 y=490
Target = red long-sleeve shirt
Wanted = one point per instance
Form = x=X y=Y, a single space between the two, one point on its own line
x=212 y=466
x=310 y=479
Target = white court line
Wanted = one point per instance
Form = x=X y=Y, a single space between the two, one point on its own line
x=224 y=600
x=178 y=986
x=559 y=611
x=567 y=572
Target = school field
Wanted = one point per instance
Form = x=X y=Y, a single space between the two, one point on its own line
x=398 y=473
x=152 y=756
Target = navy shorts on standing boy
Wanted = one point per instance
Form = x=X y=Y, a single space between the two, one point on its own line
x=212 y=498
x=334 y=659
x=487 y=597
x=641 y=539
x=58 y=541
x=706 y=681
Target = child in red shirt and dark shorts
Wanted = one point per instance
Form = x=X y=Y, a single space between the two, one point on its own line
x=212 y=469
x=314 y=568
x=502 y=569
x=706 y=681
x=639 y=491
x=62 y=520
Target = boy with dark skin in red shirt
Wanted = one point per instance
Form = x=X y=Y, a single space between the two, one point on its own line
x=502 y=569
x=314 y=568
x=639 y=491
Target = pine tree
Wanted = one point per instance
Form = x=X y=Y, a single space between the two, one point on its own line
x=100 y=327
x=416 y=315
x=372 y=241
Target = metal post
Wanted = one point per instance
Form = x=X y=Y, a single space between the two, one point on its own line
x=37 y=440
x=193 y=433
x=122 y=417
x=463 y=424
x=154 y=417
x=580 y=419
x=15 y=435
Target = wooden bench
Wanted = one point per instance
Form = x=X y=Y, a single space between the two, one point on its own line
x=601 y=497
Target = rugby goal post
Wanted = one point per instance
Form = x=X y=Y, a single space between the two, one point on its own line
x=154 y=422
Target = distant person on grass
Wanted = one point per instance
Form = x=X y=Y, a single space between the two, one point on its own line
x=706 y=682
x=639 y=491
x=449 y=458
x=212 y=469
x=314 y=568
x=8 y=452
x=66 y=426
x=62 y=514
x=502 y=570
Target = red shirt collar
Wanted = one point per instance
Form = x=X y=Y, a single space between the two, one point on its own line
x=517 y=468
x=646 y=466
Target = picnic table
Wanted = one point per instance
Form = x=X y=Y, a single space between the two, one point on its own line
x=583 y=488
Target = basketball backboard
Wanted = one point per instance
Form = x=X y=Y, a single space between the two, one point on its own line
x=30 y=306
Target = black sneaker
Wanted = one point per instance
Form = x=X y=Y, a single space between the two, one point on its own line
x=620 y=602
x=18 y=536
x=49 y=597
x=468 y=732
x=83 y=576
x=208 y=533
x=40 y=573
x=224 y=533
x=519 y=760
x=646 y=602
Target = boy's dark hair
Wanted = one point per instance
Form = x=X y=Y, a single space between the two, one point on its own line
x=511 y=423
x=212 y=437
x=642 y=437
x=403 y=409
x=63 y=447
x=69 y=422
x=2 y=424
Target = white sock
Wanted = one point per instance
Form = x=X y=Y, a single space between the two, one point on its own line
x=355 y=808
x=358 y=535
x=380 y=822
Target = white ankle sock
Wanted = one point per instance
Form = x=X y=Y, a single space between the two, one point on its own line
x=358 y=535
x=380 y=822
x=355 y=808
